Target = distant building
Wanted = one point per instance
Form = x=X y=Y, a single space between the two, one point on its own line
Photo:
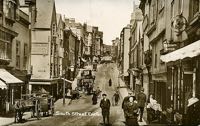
x=107 y=49
x=136 y=55
x=124 y=51
x=114 y=51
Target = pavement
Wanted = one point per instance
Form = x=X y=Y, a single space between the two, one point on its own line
x=5 y=121
x=124 y=92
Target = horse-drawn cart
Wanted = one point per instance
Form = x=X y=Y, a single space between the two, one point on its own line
x=34 y=103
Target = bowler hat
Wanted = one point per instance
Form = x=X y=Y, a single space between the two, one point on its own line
x=104 y=94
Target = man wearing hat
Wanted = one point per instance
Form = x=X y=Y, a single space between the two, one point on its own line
x=105 y=106
x=127 y=98
x=141 y=99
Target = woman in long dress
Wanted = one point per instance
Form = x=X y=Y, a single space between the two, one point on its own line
x=131 y=112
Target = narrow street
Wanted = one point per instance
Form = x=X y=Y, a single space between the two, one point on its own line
x=84 y=104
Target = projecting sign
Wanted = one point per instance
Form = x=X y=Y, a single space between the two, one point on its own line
x=39 y=48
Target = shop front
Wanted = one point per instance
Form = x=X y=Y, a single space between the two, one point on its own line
x=183 y=74
x=159 y=89
x=11 y=89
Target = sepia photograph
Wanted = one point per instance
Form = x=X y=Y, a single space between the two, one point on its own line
x=99 y=62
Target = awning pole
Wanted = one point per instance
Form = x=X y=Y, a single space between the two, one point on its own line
x=194 y=83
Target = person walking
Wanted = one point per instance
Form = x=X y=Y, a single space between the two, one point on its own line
x=110 y=82
x=131 y=110
x=141 y=99
x=94 y=98
x=105 y=107
x=116 y=98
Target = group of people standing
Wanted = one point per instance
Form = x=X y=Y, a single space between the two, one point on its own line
x=132 y=105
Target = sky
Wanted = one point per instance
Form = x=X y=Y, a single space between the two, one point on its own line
x=109 y=15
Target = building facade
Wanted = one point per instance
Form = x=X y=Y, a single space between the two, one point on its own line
x=114 y=50
x=14 y=53
x=172 y=30
x=136 y=57
x=44 y=52
x=124 y=43
x=180 y=55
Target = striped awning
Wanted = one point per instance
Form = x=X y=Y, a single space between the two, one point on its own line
x=190 y=51
x=9 y=78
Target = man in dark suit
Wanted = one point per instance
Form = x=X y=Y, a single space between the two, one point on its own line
x=141 y=99
x=105 y=106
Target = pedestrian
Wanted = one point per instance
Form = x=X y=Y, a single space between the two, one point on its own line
x=98 y=92
x=131 y=110
x=141 y=99
x=105 y=107
x=126 y=99
x=94 y=98
x=110 y=82
x=116 y=98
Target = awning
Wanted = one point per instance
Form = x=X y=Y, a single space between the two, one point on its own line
x=190 y=51
x=8 y=78
x=3 y=85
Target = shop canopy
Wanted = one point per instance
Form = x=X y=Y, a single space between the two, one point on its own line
x=189 y=51
x=3 y=85
x=9 y=78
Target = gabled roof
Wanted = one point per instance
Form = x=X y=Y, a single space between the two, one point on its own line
x=44 y=13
